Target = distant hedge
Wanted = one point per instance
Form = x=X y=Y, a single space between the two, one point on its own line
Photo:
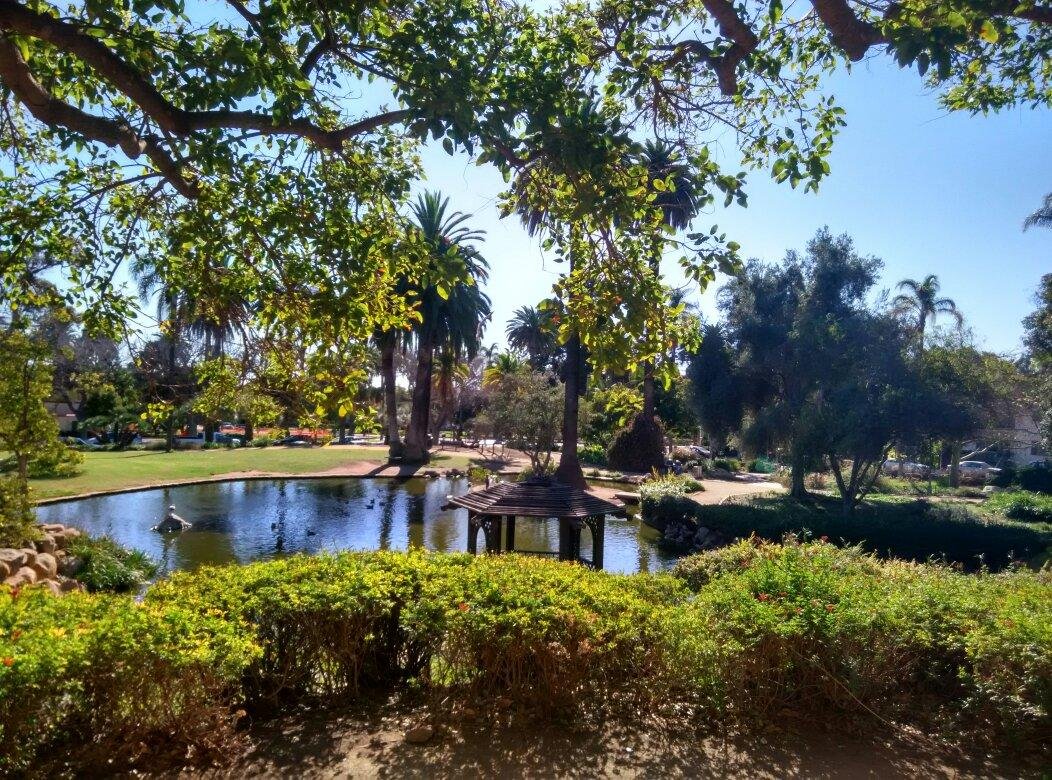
x=748 y=632
x=913 y=530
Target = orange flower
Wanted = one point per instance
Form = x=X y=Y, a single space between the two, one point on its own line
x=463 y=607
x=9 y=661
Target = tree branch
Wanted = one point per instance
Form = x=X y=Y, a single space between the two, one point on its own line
x=848 y=31
x=53 y=112
x=170 y=118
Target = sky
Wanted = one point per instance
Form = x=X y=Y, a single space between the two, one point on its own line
x=924 y=190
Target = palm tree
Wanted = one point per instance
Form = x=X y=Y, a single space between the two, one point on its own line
x=530 y=330
x=678 y=207
x=1042 y=217
x=505 y=365
x=451 y=319
x=921 y=302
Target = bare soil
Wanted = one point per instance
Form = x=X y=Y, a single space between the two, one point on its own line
x=499 y=742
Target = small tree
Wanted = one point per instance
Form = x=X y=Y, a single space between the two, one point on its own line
x=27 y=429
x=526 y=410
x=715 y=388
x=610 y=410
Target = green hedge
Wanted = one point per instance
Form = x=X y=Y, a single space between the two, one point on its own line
x=745 y=633
x=913 y=530
x=1022 y=505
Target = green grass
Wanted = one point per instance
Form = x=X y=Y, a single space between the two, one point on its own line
x=104 y=471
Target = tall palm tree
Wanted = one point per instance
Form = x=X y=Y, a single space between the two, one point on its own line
x=1042 y=217
x=678 y=207
x=530 y=330
x=922 y=302
x=453 y=321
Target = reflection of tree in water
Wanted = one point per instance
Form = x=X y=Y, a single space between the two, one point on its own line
x=279 y=523
x=387 y=513
x=415 y=509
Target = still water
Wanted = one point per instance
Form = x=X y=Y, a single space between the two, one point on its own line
x=258 y=519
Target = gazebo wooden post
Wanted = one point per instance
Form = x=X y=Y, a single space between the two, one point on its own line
x=473 y=533
x=494 y=527
x=569 y=539
x=511 y=534
x=597 y=525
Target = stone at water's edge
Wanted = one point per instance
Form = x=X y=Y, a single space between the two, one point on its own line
x=48 y=564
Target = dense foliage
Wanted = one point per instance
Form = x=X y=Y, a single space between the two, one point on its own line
x=746 y=632
x=893 y=526
x=1022 y=505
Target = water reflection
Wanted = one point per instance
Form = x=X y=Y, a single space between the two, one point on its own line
x=255 y=519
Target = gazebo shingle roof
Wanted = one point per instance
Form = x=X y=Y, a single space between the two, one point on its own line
x=537 y=497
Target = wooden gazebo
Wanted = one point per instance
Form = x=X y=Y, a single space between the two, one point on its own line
x=540 y=498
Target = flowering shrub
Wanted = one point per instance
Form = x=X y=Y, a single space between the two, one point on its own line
x=746 y=631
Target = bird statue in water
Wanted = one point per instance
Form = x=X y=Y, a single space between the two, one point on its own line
x=172 y=523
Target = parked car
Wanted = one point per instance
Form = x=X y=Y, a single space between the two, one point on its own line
x=226 y=438
x=975 y=471
x=897 y=467
x=75 y=441
x=298 y=440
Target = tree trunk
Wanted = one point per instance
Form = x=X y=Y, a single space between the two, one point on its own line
x=649 y=409
x=210 y=431
x=416 y=445
x=569 y=470
x=955 y=464
x=250 y=431
x=169 y=435
x=798 y=471
x=387 y=373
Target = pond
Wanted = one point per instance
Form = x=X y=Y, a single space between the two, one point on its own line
x=257 y=519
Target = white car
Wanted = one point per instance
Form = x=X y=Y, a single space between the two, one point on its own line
x=976 y=471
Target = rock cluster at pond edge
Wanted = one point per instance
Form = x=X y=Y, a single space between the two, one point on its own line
x=46 y=562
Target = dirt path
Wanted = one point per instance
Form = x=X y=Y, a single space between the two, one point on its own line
x=503 y=744
x=719 y=490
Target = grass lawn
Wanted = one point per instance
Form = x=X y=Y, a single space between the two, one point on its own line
x=115 y=470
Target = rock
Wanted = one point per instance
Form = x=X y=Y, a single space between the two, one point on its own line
x=172 y=523
x=418 y=735
x=70 y=565
x=28 y=575
x=61 y=540
x=46 y=544
x=67 y=585
x=31 y=555
x=5 y=570
x=53 y=587
x=45 y=566
x=52 y=528
x=72 y=532
x=15 y=559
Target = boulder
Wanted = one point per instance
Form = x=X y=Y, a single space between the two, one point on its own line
x=68 y=585
x=72 y=532
x=70 y=565
x=28 y=575
x=31 y=555
x=5 y=570
x=53 y=587
x=46 y=544
x=61 y=540
x=45 y=566
x=13 y=559
x=52 y=528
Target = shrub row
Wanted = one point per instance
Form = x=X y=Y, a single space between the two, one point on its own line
x=1022 y=505
x=912 y=530
x=745 y=633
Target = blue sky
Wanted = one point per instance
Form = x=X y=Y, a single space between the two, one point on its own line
x=925 y=190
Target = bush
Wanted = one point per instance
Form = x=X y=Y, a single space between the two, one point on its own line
x=100 y=681
x=745 y=632
x=656 y=486
x=913 y=530
x=58 y=461
x=762 y=466
x=107 y=566
x=1036 y=478
x=592 y=454
x=732 y=465
x=640 y=447
x=262 y=441
x=17 y=521
x=1022 y=505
